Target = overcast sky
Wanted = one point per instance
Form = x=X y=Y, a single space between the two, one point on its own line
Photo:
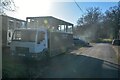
x=63 y=9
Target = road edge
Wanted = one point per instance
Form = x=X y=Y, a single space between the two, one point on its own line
x=117 y=50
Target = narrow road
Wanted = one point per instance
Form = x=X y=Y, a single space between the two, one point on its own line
x=99 y=61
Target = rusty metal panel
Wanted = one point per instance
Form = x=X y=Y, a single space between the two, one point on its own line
x=60 y=42
x=4 y=31
x=9 y=23
x=38 y=22
x=47 y=22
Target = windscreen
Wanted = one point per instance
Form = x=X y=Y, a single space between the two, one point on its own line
x=24 y=35
x=41 y=36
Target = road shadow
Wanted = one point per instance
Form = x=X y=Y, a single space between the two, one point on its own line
x=61 y=66
x=78 y=47
x=79 y=66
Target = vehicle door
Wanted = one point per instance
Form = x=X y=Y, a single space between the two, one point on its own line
x=41 y=41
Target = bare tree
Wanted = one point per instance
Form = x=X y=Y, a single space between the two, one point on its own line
x=7 y=5
x=89 y=24
x=112 y=20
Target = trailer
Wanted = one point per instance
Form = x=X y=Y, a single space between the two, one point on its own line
x=8 y=26
x=49 y=22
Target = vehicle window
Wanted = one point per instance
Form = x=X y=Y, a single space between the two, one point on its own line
x=41 y=37
x=117 y=42
x=9 y=34
x=17 y=35
x=25 y=35
x=75 y=39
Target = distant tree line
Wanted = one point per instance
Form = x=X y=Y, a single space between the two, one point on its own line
x=95 y=24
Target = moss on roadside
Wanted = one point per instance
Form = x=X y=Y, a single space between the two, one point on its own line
x=99 y=40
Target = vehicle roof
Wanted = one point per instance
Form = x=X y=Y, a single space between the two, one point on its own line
x=51 y=20
x=30 y=29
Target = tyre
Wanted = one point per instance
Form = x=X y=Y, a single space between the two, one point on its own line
x=46 y=52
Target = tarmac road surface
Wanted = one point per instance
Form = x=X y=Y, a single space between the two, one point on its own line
x=98 y=61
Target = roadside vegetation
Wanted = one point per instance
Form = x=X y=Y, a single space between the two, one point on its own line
x=100 y=40
x=97 y=26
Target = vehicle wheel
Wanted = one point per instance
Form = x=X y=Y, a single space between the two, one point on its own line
x=46 y=53
x=39 y=57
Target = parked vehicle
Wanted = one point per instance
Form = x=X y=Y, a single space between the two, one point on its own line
x=78 y=42
x=40 y=43
x=116 y=42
